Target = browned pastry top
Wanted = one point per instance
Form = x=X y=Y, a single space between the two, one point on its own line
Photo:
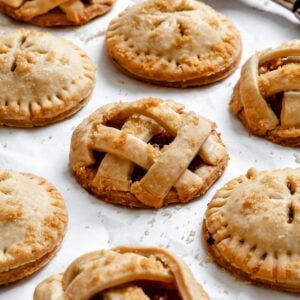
x=56 y=12
x=124 y=273
x=174 y=42
x=251 y=227
x=267 y=96
x=43 y=78
x=146 y=153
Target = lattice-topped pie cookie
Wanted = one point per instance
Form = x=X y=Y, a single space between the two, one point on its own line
x=43 y=78
x=252 y=225
x=55 y=12
x=147 y=153
x=176 y=43
x=267 y=97
x=33 y=220
x=124 y=273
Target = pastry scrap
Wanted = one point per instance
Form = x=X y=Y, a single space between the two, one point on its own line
x=251 y=227
x=267 y=96
x=55 y=12
x=177 y=43
x=33 y=220
x=43 y=78
x=124 y=273
x=147 y=153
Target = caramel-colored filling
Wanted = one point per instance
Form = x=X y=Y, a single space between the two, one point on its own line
x=158 y=141
x=276 y=101
x=277 y=63
x=153 y=290
x=159 y=291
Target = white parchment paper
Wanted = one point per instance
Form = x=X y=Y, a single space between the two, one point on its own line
x=94 y=224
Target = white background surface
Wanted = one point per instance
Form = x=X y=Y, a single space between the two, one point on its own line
x=94 y=224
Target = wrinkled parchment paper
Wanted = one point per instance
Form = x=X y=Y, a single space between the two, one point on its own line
x=94 y=224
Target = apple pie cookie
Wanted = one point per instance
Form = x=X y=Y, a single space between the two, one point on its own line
x=251 y=227
x=55 y=12
x=124 y=273
x=43 y=78
x=33 y=220
x=267 y=96
x=177 y=43
x=148 y=153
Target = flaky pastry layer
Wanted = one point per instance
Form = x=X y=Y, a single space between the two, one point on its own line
x=250 y=227
x=177 y=43
x=148 y=153
x=48 y=13
x=267 y=96
x=127 y=273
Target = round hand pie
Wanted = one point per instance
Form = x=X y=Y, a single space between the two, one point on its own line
x=124 y=273
x=252 y=225
x=55 y=12
x=43 y=79
x=267 y=97
x=147 y=153
x=33 y=221
x=176 y=43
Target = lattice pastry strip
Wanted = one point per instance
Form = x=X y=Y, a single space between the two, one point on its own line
x=117 y=171
x=165 y=114
x=290 y=110
x=269 y=91
x=168 y=178
x=50 y=12
x=74 y=10
x=123 y=273
x=159 y=178
x=13 y=3
x=31 y=9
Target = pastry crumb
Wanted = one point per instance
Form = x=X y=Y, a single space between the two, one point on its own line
x=297 y=158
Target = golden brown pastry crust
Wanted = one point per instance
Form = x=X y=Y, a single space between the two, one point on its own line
x=182 y=152
x=267 y=97
x=78 y=13
x=177 y=43
x=51 y=80
x=21 y=272
x=250 y=228
x=127 y=273
x=33 y=220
